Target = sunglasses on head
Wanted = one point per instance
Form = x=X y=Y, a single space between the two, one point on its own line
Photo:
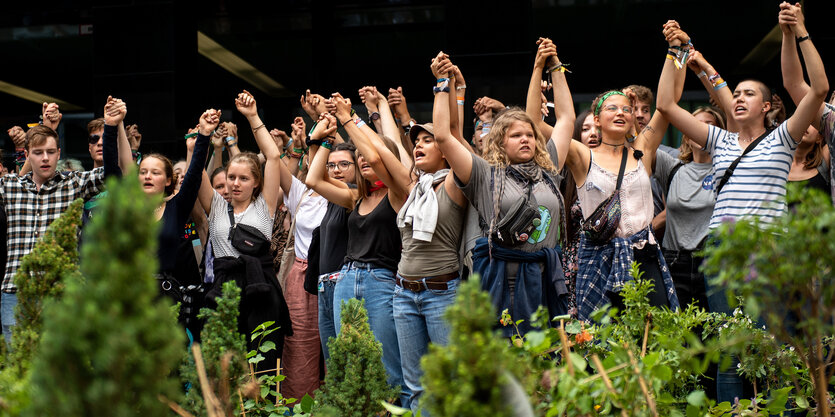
x=94 y=139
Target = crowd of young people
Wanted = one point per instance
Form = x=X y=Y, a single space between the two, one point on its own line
x=397 y=212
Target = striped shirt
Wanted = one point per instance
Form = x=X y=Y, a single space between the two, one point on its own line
x=757 y=187
x=31 y=210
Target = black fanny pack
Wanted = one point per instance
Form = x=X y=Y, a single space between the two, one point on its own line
x=245 y=238
x=519 y=222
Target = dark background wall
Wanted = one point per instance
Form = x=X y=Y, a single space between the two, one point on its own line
x=145 y=52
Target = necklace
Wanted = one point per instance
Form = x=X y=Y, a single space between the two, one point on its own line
x=614 y=145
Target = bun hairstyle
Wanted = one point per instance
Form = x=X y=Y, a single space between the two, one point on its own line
x=250 y=159
x=362 y=184
x=168 y=168
x=494 y=142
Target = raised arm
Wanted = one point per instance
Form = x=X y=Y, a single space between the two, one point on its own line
x=457 y=155
x=207 y=124
x=649 y=139
x=667 y=104
x=123 y=146
x=317 y=178
x=790 y=62
x=810 y=106
x=460 y=100
x=401 y=112
x=715 y=86
x=563 y=105
x=368 y=95
x=196 y=178
x=272 y=173
x=51 y=115
x=389 y=126
x=533 y=102
x=114 y=114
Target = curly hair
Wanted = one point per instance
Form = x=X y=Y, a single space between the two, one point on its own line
x=494 y=150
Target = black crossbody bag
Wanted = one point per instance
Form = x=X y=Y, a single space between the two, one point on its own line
x=245 y=238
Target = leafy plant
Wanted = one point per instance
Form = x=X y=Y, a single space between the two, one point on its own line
x=355 y=385
x=109 y=346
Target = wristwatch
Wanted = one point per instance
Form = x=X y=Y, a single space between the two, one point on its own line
x=409 y=126
x=374 y=116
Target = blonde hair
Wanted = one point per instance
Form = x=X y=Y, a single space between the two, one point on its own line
x=494 y=149
x=685 y=151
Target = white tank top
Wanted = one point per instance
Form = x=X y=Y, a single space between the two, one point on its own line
x=635 y=196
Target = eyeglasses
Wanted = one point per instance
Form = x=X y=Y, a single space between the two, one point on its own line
x=613 y=108
x=343 y=165
x=94 y=139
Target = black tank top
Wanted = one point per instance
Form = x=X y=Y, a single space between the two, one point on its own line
x=374 y=238
x=819 y=182
x=333 y=239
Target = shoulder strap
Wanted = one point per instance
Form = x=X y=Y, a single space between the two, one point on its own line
x=730 y=170
x=672 y=174
x=295 y=214
x=231 y=214
x=622 y=169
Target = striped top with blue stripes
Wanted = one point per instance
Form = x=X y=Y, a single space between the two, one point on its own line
x=757 y=187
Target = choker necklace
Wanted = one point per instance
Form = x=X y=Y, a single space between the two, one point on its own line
x=614 y=145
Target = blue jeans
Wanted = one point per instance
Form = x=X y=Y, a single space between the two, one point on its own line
x=419 y=317
x=376 y=286
x=729 y=384
x=8 y=301
x=327 y=329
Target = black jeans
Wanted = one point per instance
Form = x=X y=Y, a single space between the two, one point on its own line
x=689 y=281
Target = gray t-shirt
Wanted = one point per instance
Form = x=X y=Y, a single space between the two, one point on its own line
x=440 y=256
x=690 y=201
x=480 y=193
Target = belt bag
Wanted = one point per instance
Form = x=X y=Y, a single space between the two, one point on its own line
x=602 y=223
x=246 y=239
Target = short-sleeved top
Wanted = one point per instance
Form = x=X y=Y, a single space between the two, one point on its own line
x=373 y=238
x=257 y=215
x=308 y=216
x=480 y=193
x=440 y=256
x=636 y=202
x=758 y=186
x=690 y=200
x=827 y=129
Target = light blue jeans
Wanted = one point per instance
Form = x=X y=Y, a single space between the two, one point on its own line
x=327 y=329
x=8 y=301
x=419 y=317
x=376 y=286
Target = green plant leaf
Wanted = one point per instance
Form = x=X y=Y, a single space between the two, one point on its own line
x=574 y=327
x=266 y=346
x=306 y=403
x=696 y=398
x=393 y=409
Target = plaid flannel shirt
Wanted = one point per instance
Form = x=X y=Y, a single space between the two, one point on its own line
x=606 y=268
x=30 y=211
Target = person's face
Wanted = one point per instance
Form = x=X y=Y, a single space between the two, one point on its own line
x=180 y=172
x=152 y=176
x=365 y=169
x=811 y=136
x=428 y=157
x=219 y=184
x=96 y=147
x=44 y=158
x=748 y=102
x=642 y=114
x=240 y=182
x=520 y=142
x=615 y=117
x=588 y=134
x=341 y=167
